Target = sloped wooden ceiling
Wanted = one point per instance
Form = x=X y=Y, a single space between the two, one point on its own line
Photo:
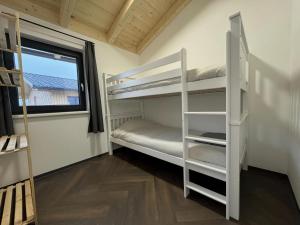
x=128 y=24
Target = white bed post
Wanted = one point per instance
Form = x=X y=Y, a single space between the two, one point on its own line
x=185 y=121
x=245 y=162
x=228 y=105
x=107 y=116
x=235 y=115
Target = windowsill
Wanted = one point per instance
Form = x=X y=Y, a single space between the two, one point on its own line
x=38 y=115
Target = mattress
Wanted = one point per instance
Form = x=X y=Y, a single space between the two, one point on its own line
x=168 y=140
x=192 y=75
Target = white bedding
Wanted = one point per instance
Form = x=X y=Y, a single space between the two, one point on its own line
x=167 y=140
x=192 y=75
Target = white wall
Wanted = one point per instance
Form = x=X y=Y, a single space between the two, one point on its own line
x=294 y=154
x=201 y=28
x=170 y=111
x=58 y=141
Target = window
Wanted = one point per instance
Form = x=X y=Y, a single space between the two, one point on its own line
x=53 y=77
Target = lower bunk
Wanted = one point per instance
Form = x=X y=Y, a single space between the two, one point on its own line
x=165 y=143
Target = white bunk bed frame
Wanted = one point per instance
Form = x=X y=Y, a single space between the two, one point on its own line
x=236 y=85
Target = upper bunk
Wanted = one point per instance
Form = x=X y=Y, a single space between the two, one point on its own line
x=124 y=86
x=164 y=76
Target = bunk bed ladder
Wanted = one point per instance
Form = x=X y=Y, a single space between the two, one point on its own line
x=212 y=170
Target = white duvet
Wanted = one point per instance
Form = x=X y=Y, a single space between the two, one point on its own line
x=167 y=140
x=192 y=75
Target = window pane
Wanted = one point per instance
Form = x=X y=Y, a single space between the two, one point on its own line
x=50 y=79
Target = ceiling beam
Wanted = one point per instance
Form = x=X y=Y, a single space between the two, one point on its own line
x=161 y=25
x=66 y=9
x=124 y=15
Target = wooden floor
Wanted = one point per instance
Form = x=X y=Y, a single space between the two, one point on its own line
x=130 y=188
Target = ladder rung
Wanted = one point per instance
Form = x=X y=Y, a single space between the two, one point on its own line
x=207 y=140
x=206 y=113
x=206 y=192
x=206 y=165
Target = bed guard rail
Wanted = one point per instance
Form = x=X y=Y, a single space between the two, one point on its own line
x=126 y=80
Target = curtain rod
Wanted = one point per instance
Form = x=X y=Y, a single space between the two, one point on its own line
x=28 y=21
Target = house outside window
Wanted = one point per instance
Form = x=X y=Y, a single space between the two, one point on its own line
x=50 y=90
x=73 y=100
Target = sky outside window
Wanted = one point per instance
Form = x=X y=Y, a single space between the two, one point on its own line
x=50 y=67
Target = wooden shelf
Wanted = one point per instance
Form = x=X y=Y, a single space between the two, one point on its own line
x=9 y=78
x=9 y=85
x=8 y=16
x=4 y=70
x=12 y=144
x=16 y=204
x=8 y=50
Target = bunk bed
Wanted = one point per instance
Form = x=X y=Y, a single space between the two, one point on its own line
x=206 y=153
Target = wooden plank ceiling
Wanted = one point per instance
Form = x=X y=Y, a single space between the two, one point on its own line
x=128 y=24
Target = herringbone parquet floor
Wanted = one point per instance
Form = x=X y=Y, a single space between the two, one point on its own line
x=130 y=188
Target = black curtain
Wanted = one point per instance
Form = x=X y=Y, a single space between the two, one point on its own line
x=96 y=119
x=6 y=121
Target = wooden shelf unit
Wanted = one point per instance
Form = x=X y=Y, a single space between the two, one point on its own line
x=13 y=143
x=17 y=202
